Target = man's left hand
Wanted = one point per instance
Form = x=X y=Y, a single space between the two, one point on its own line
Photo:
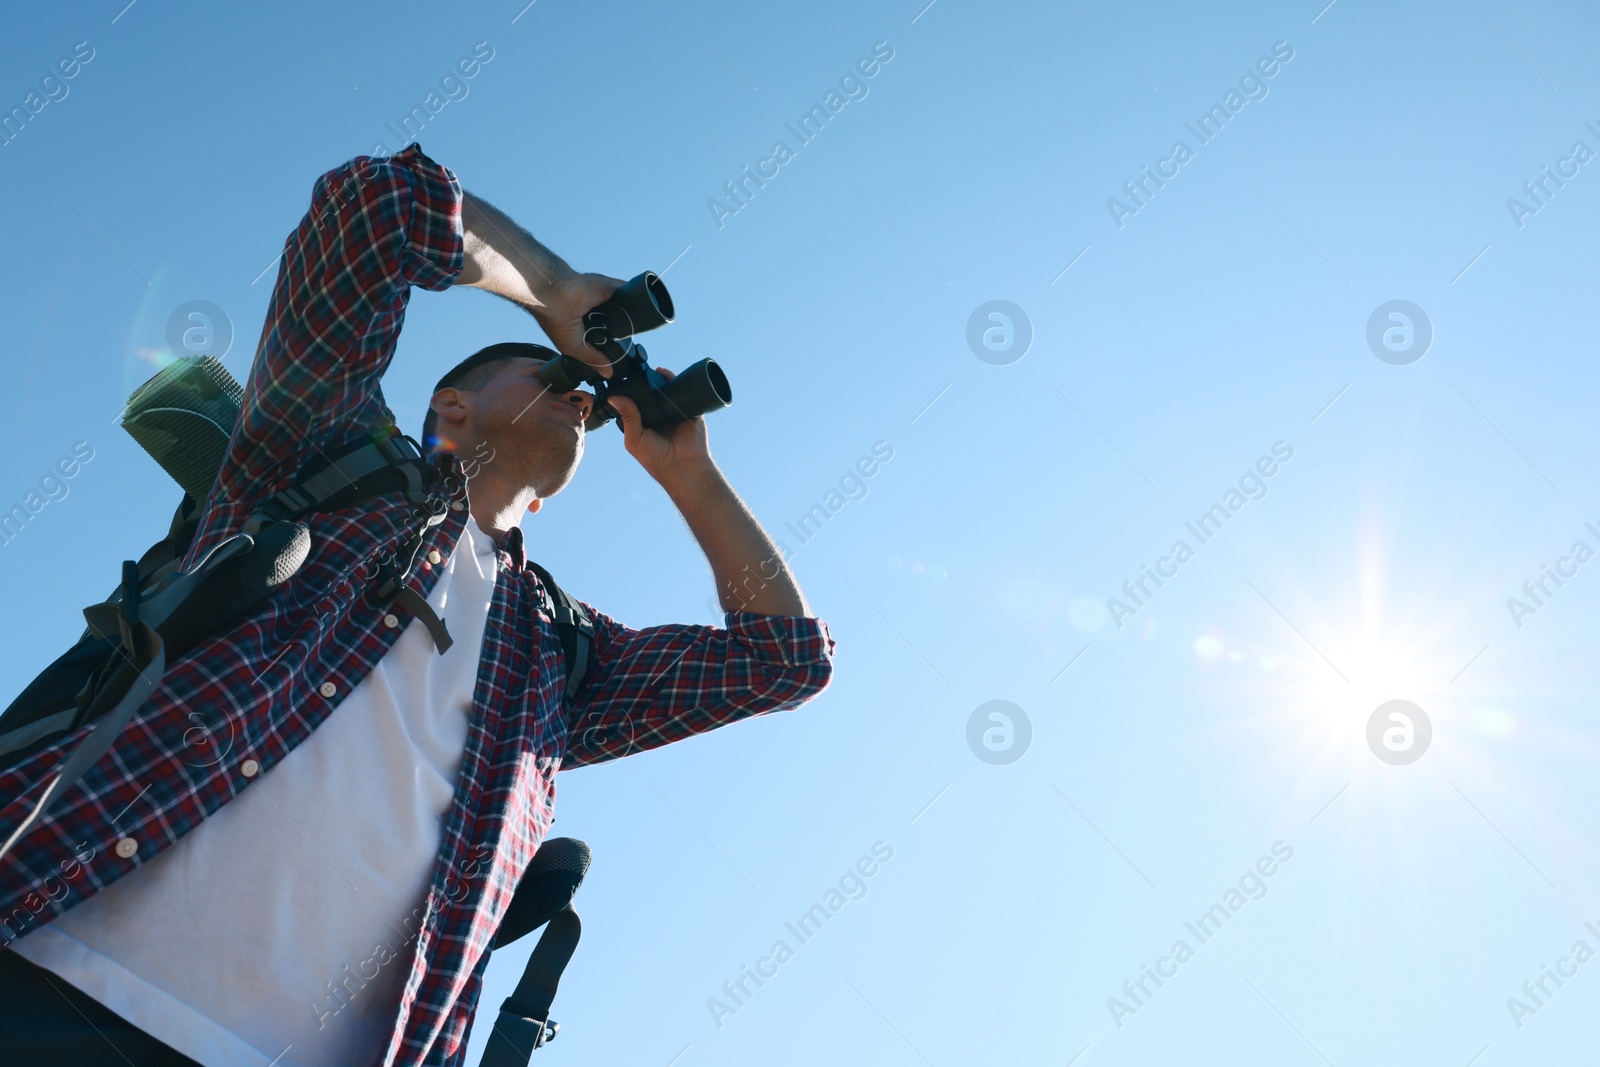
x=751 y=572
x=681 y=451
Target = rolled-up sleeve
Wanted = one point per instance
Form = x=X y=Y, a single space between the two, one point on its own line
x=653 y=686
x=375 y=228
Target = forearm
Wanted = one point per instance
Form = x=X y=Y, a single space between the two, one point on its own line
x=750 y=572
x=505 y=259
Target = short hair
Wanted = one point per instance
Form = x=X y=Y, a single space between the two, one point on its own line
x=473 y=373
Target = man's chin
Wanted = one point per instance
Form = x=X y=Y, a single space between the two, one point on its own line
x=561 y=474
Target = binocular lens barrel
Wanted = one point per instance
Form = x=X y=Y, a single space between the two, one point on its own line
x=699 y=390
x=642 y=303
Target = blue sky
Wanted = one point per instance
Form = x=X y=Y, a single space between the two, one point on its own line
x=1172 y=348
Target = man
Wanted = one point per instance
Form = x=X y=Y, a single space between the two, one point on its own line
x=325 y=816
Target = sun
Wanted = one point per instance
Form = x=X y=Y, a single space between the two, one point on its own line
x=1311 y=681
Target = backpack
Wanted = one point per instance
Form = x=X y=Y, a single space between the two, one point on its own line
x=184 y=417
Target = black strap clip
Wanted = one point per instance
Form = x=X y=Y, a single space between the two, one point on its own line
x=392 y=589
x=515 y=1038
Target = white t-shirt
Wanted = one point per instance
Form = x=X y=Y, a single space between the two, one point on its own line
x=254 y=940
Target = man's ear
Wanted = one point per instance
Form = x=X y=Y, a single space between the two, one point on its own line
x=534 y=505
x=447 y=404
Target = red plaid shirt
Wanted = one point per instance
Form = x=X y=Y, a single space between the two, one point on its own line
x=375 y=229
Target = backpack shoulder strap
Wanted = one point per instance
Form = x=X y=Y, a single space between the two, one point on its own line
x=543 y=898
x=352 y=473
x=576 y=629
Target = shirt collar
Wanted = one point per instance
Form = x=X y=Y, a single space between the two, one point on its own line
x=510 y=543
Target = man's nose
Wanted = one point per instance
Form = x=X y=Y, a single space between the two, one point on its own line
x=585 y=402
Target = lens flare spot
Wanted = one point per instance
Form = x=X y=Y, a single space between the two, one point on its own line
x=1087 y=613
x=1492 y=722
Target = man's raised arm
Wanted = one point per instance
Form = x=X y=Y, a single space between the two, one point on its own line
x=507 y=260
x=750 y=571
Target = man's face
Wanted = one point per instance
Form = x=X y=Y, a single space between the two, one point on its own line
x=536 y=432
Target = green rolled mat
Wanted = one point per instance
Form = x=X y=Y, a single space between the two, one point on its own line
x=184 y=417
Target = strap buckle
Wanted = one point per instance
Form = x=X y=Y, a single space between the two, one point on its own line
x=515 y=1037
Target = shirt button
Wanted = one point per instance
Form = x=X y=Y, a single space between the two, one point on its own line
x=391 y=621
x=127 y=848
x=249 y=768
x=458 y=506
x=433 y=555
x=327 y=689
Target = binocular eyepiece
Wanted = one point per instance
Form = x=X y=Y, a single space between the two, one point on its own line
x=641 y=304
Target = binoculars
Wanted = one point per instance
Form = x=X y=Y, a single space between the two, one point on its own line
x=642 y=303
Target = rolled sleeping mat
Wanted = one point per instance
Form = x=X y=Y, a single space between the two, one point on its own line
x=184 y=417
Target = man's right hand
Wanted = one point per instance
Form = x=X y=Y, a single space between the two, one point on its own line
x=506 y=260
x=561 y=317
